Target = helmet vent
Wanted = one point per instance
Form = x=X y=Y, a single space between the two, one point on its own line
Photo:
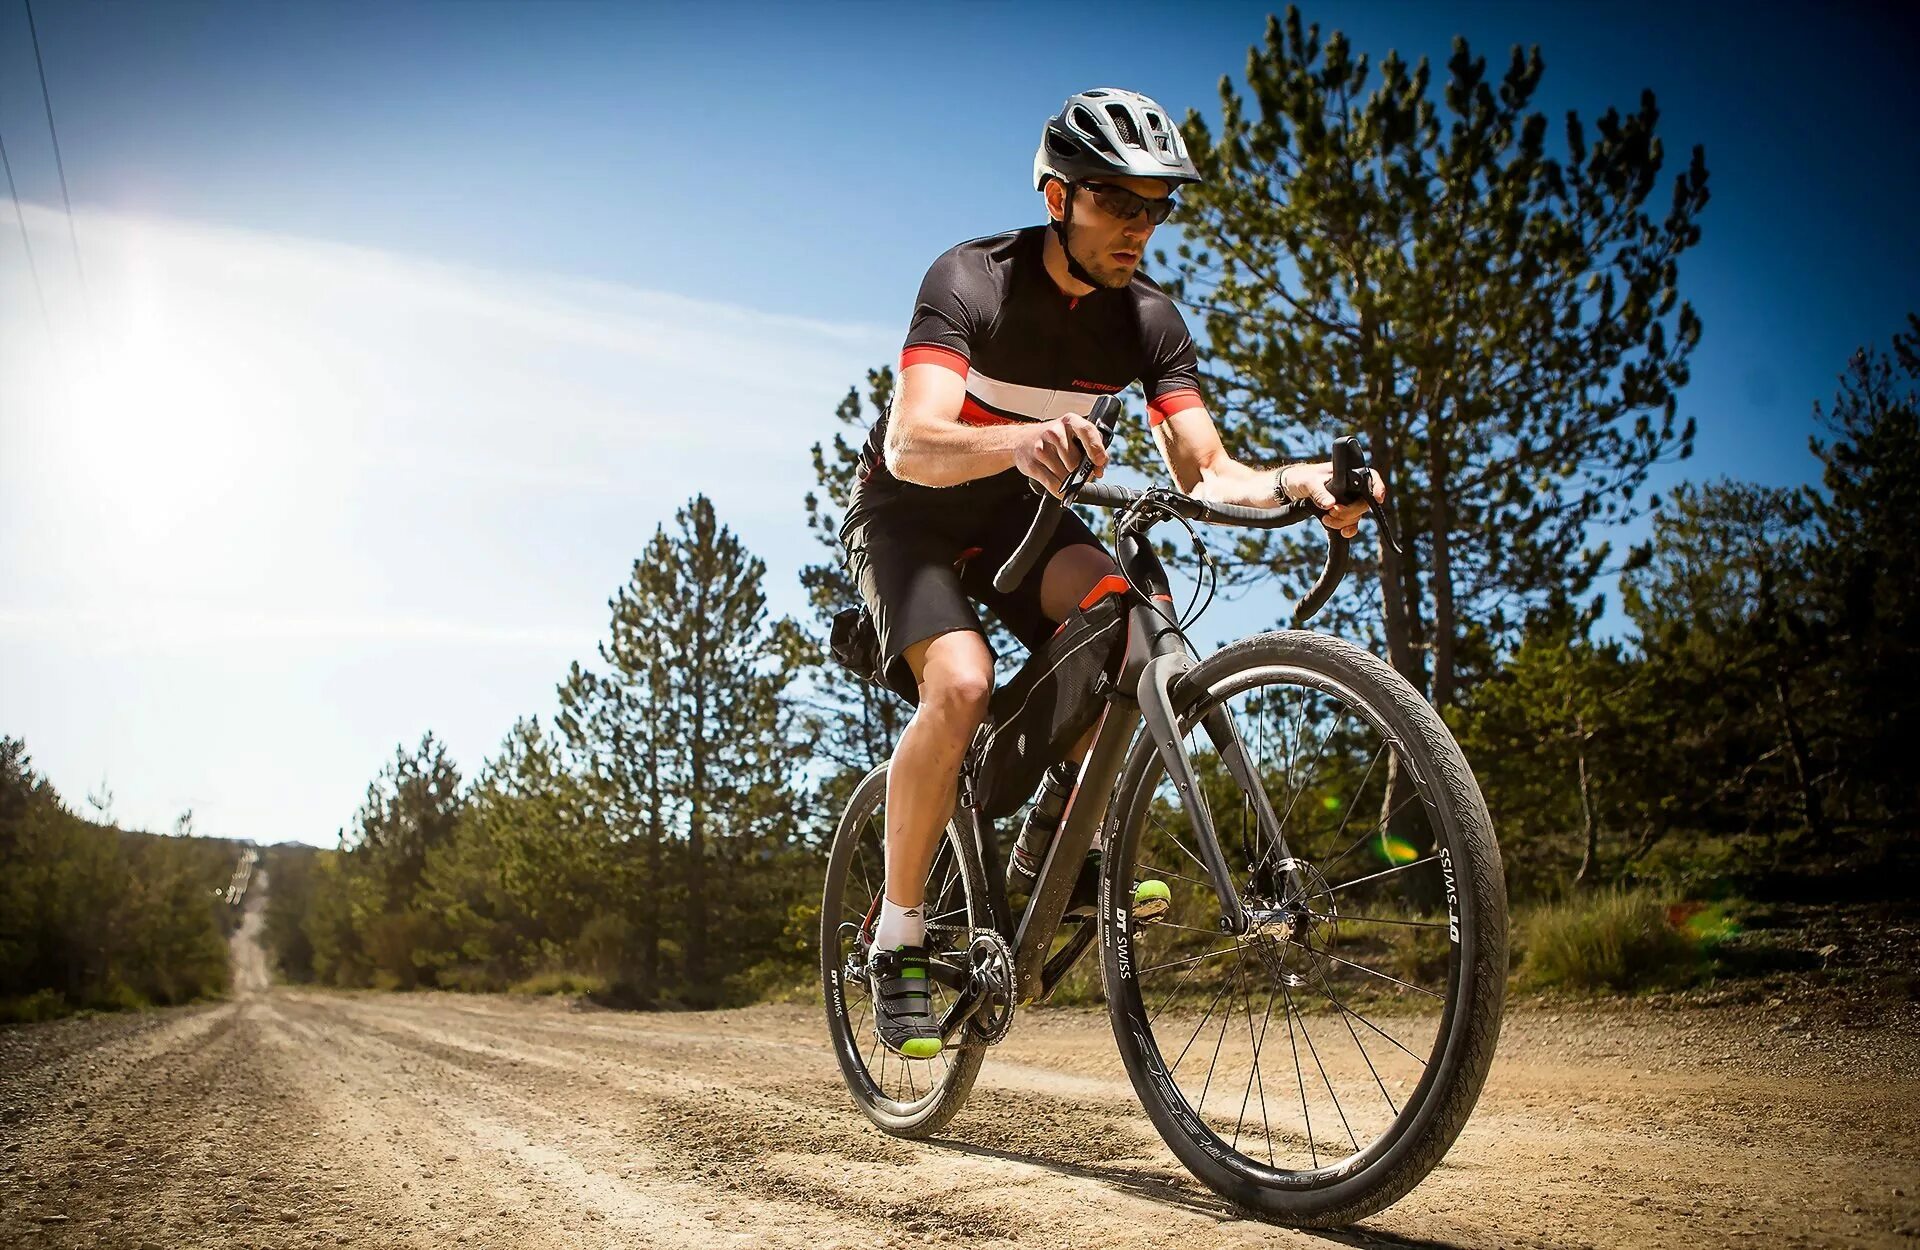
x=1123 y=122
x=1089 y=127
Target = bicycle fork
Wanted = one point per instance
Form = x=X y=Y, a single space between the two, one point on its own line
x=1156 y=709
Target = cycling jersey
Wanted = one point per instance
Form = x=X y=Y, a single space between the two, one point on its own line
x=989 y=311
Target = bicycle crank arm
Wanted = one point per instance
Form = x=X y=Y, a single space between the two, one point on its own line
x=1156 y=708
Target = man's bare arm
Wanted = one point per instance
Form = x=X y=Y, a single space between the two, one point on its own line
x=1190 y=444
x=928 y=443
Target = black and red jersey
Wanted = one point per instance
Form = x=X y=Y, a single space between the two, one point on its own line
x=989 y=311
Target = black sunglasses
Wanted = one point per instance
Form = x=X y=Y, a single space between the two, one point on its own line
x=1124 y=204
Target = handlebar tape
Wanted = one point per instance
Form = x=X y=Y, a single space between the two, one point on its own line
x=1046 y=518
x=1349 y=484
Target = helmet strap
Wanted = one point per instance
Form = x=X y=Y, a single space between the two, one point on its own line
x=1060 y=226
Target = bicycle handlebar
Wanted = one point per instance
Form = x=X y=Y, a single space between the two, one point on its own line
x=1105 y=415
x=1351 y=482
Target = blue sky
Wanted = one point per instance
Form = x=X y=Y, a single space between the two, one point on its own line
x=409 y=323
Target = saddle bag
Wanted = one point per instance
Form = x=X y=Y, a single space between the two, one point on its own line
x=1034 y=719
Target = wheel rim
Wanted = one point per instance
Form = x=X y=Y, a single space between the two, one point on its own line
x=897 y=1086
x=1303 y=1052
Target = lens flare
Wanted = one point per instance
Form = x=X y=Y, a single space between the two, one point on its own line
x=1396 y=851
x=1331 y=802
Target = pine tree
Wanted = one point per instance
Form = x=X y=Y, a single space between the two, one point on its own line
x=693 y=617
x=853 y=723
x=1502 y=326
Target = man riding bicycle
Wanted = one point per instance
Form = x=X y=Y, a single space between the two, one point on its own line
x=1013 y=338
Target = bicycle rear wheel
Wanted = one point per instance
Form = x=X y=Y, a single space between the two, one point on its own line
x=1317 y=1068
x=906 y=1097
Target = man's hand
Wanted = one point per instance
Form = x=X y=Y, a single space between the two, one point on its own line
x=1309 y=481
x=1053 y=451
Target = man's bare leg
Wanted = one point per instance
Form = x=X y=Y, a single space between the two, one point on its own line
x=955 y=673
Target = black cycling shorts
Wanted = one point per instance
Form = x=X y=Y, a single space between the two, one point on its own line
x=919 y=573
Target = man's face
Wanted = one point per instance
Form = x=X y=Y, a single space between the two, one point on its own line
x=1108 y=247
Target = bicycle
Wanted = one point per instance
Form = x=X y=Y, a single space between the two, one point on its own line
x=1407 y=941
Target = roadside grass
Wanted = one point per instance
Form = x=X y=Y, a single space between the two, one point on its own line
x=562 y=982
x=1619 y=941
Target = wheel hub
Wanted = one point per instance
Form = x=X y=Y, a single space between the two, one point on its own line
x=1289 y=934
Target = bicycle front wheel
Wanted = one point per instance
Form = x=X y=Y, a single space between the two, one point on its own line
x=1316 y=1068
x=906 y=1097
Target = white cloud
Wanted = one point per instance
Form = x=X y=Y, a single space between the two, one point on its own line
x=264 y=443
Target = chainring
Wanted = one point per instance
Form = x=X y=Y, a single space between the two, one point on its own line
x=991 y=960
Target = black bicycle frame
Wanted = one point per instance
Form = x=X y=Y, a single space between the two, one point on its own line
x=1155 y=657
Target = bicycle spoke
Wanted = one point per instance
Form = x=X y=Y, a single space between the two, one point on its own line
x=1369 y=835
x=1193 y=959
x=1206 y=1085
x=1353 y=804
x=1196 y=1031
x=1184 y=978
x=1315 y=1052
x=1385 y=872
x=1188 y=928
x=1346 y=1018
x=1174 y=838
x=1305 y=1112
x=1412 y=924
x=1158 y=871
x=1383 y=976
x=1253 y=1069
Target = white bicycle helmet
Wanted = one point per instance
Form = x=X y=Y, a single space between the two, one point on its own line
x=1108 y=132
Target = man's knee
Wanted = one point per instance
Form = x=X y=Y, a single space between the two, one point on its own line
x=956 y=679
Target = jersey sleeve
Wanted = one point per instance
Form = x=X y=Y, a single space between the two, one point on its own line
x=949 y=314
x=1171 y=378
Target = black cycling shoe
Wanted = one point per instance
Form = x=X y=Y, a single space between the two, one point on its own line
x=902 y=1008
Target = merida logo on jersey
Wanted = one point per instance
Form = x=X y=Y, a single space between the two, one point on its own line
x=1081 y=384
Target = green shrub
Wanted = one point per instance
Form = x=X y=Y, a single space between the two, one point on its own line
x=1610 y=940
x=562 y=982
x=35 y=1007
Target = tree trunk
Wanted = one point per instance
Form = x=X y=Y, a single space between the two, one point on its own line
x=653 y=888
x=1810 y=807
x=1441 y=576
x=699 y=993
x=1589 y=873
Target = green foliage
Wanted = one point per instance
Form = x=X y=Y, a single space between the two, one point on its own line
x=1499 y=318
x=853 y=723
x=98 y=917
x=648 y=850
x=566 y=984
x=1609 y=940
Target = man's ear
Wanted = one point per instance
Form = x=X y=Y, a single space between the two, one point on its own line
x=1056 y=194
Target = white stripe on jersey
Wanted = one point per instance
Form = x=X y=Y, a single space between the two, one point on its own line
x=1036 y=403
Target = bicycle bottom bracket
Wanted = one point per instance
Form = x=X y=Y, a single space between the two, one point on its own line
x=991 y=962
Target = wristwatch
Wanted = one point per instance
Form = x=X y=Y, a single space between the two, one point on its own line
x=1280 y=494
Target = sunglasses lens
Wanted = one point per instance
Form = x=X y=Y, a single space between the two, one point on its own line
x=1124 y=204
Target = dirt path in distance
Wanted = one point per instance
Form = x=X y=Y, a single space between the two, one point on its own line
x=292 y=1118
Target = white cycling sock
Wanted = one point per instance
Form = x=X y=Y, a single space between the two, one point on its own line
x=899 y=926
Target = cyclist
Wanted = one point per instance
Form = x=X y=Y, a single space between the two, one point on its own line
x=1012 y=339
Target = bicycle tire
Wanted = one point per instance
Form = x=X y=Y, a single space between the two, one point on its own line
x=948 y=1077
x=1420 y=1132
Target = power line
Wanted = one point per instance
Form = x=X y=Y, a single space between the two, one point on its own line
x=20 y=216
x=47 y=99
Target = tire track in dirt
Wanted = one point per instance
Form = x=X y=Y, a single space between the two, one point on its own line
x=296 y=1118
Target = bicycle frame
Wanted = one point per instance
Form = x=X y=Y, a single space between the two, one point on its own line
x=1156 y=655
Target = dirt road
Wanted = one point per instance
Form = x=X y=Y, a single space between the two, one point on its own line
x=287 y=1118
